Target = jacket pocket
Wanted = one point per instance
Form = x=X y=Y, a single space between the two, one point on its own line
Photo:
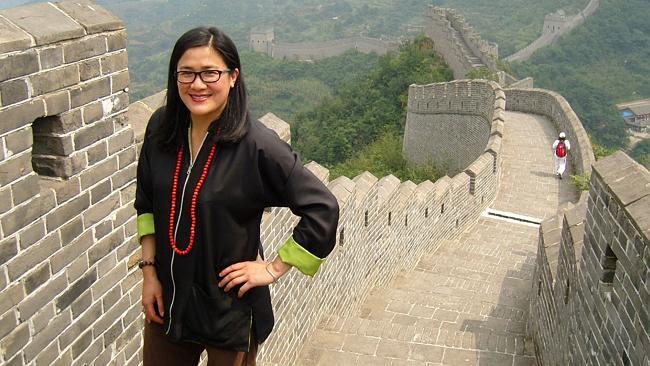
x=219 y=320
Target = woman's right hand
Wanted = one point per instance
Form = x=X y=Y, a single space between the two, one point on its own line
x=152 y=297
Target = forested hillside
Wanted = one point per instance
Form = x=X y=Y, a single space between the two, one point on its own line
x=602 y=62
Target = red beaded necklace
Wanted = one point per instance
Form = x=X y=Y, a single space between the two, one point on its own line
x=199 y=184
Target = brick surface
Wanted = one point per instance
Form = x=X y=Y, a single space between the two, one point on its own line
x=117 y=40
x=20 y=115
x=93 y=18
x=89 y=69
x=91 y=134
x=19 y=64
x=51 y=57
x=90 y=91
x=67 y=211
x=36 y=277
x=115 y=62
x=12 y=343
x=92 y=112
x=56 y=103
x=57 y=166
x=19 y=141
x=13 y=38
x=58 y=26
x=25 y=214
x=8 y=249
x=97 y=152
x=84 y=49
x=55 y=79
x=13 y=91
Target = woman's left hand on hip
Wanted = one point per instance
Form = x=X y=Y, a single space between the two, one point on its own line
x=247 y=274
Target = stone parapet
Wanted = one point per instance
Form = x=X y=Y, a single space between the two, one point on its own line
x=459 y=44
x=69 y=288
x=553 y=106
x=590 y=302
x=451 y=123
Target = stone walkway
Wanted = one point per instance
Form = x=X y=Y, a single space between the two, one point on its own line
x=465 y=304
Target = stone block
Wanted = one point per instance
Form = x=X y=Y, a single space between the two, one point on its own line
x=54 y=79
x=98 y=172
x=71 y=231
x=71 y=251
x=25 y=189
x=115 y=62
x=90 y=92
x=7 y=323
x=91 y=16
x=89 y=69
x=8 y=249
x=92 y=112
x=63 y=190
x=64 y=123
x=62 y=167
x=120 y=81
x=97 y=153
x=51 y=57
x=126 y=157
x=67 y=211
x=98 y=193
x=32 y=234
x=13 y=91
x=13 y=168
x=12 y=38
x=102 y=210
x=76 y=290
x=59 y=145
x=36 y=277
x=5 y=196
x=20 y=115
x=56 y=103
x=19 y=64
x=82 y=343
x=11 y=296
x=84 y=48
x=48 y=355
x=47 y=336
x=42 y=296
x=19 y=141
x=117 y=40
x=25 y=214
x=31 y=257
x=15 y=341
x=91 y=134
x=105 y=246
x=44 y=22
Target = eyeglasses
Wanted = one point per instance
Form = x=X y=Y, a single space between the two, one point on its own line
x=207 y=76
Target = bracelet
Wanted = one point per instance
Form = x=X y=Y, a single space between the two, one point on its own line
x=275 y=278
x=142 y=263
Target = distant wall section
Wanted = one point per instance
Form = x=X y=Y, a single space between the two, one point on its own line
x=450 y=123
x=263 y=40
x=459 y=44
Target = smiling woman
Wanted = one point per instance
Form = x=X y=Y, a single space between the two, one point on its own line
x=205 y=282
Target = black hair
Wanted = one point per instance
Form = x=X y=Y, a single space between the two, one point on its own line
x=234 y=119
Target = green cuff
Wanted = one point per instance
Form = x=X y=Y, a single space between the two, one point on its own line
x=145 y=225
x=292 y=253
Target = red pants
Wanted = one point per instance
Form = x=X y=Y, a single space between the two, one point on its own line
x=161 y=351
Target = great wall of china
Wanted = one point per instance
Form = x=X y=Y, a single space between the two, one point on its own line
x=262 y=39
x=70 y=289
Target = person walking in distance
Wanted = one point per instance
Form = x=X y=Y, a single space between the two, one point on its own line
x=561 y=148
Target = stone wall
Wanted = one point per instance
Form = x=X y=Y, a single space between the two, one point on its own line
x=263 y=40
x=553 y=106
x=459 y=44
x=590 y=302
x=68 y=286
x=450 y=123
x=550 y=36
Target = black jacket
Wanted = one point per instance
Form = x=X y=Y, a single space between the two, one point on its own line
x=258 y=171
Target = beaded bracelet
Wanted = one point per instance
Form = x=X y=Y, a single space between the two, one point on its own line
x=142 y=264
x=275 y=278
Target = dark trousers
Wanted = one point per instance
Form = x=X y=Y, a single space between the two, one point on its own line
x=161 y=351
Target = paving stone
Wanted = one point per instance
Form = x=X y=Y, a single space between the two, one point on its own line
x=362 y=345
x=58 y=26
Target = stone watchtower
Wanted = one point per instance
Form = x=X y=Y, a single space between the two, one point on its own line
x=69 y=291
x=261 y=40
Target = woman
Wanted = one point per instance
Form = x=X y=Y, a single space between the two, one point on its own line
x=205 y=174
